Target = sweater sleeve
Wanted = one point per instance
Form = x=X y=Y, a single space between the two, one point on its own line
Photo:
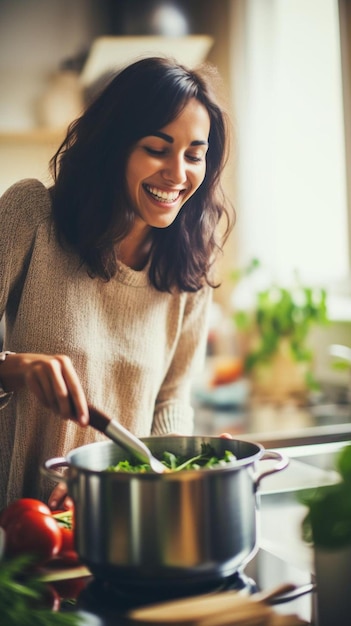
x=173 y=410
x=22 y=208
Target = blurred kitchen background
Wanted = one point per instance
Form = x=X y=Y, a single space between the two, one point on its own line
x=285 y=66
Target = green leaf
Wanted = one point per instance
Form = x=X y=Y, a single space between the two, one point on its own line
x=343 y=463
x=20 y=595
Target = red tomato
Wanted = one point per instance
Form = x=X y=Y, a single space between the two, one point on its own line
x=18 y=507
x=69 y=558
x=34 y=533
x=65 y=520
x=67 y=539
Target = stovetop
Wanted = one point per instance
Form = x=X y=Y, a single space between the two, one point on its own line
x=110 y=602
x=101 y=604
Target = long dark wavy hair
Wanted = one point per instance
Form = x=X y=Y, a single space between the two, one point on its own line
x=91 y=210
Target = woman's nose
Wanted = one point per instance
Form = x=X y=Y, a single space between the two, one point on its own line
x=175 y=170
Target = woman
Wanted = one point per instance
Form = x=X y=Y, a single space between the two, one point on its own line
x=105 y=277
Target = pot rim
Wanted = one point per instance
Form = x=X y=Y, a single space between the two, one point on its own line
x=258 y=452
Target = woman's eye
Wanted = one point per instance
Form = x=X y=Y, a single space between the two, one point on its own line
x=195 y=159
x=162 y=152
x=154 y=152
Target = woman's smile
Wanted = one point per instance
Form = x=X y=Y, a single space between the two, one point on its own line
x=161 y=195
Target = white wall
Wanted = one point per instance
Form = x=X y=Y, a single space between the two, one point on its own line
x=35 y=37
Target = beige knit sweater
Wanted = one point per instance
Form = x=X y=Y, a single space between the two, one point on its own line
x=134 y=348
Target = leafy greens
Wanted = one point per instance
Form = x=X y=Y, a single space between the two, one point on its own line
x=204 y=460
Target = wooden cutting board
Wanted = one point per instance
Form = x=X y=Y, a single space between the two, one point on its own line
x=220 y=609
x=51 y=574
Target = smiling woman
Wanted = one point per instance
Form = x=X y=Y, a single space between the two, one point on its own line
x=142 y=112
x=108 y=274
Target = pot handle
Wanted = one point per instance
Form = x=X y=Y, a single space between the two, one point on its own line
x=283 y=462
x=49 y=467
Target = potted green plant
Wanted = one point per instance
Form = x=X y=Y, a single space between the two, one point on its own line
x=274 y=335
x=327 y=528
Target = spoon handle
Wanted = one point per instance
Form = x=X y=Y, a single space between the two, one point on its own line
x=98 y=420
x=122 y=436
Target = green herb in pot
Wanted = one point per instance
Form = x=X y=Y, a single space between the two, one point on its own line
x=204 y=460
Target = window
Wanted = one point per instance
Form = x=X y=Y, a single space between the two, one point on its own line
x=292 y=199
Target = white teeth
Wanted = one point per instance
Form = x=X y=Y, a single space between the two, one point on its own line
x=166 y=196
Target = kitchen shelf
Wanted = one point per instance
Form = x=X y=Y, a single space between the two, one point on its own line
x=32 y=136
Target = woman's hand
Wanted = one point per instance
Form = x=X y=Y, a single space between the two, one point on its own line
x=52 y=379
x=59 y=498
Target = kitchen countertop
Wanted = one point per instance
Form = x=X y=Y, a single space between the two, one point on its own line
x=276 y=426
x=317 y=432
x=283 y=557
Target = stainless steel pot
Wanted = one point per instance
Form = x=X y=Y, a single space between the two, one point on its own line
x=187 y=527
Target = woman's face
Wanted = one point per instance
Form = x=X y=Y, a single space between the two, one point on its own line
x=166 y=168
